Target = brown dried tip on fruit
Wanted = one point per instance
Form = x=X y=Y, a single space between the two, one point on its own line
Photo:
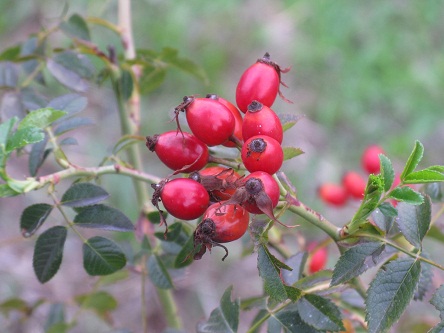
x=186 y=101
x=266 y=59
x=155 y=201
x=219 y=185
x=203 y=238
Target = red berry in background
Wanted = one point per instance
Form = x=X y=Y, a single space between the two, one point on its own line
x=261 y=120
x=220 y=182
x=317 y=259
x=237 y=119
x=220 y=224
x=208 y=119
x=262 y=153
x=260 y=82
x=355 y=184
x=333 y=194
x=179 y=151
x=370 y=159
x=183 y=198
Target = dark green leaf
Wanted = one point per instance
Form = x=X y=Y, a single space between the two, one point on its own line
x=40 y=118
x=83 y=194
x=158 y=273
x=388 y=210
x=438 y=301
x=384 y=222
x=38 y=155
x=100 y=301
x=297 y=263
x=71 y=124
x=174 y=232
x=33 y=217
x=225 y=318
x=425 y=279
x=320 y=313
x=70 y=103
x=435 y=191
x=273 y=326
x=414 y=221
x=67 y=77
x=290 y=152
x=6 y=129
x=76 y=27
x=407 y=195
x=126 y=84
x=23 y=137
x=6 y=191
x=152 y=78
x=424 y=176
x=269 y=270
x=355 y=261
x=101 y=256
x=103 y=217
x=291 y=321
x=387 y=171
x=185 y=256
x=288 y=120
x=413 y=161
x=390 y=292
x=372 y=194
x=8 y=74
x=48 y=253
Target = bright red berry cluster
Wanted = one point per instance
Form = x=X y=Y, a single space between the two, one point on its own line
x=223 y=197
x=353 y=184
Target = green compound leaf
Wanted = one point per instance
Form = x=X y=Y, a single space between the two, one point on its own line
x=5 y=130
x=38 y=155
x=48 y=253
x=424 y=176
x=225 y=318
x=103 y=217
x=406 y=194
x=355 y=261
x=372 y=194
x=290 y=152
x=40 y=118
x=413 y=161
x=438 y=301
x=384 y=221
x=290 y=320
x=414 y=221
x=101 y=256
x=83 y=194
x=76 y=27
x=70 y=103
x=425 y=279
x=158 y=273
x=23 y=137
x=390 y=292
x=387 y=171
x=33 y=217
x=320 y=313
x=269 y=270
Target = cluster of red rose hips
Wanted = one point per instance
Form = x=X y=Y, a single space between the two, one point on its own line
x=353 y=183
x=218 y=194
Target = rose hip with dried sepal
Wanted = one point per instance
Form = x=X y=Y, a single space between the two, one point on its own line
x=220 y=224
x=208 y=119
x=220 y=182
x=262 y=153
x=260 y=82
x=181 y=152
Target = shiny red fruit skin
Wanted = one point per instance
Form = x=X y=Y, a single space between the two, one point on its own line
x=238 y=122
x=177 y=150
x=261 y=120
x=354 y=184
x=231 y=221
x=318 y=259
x=259 y=82
x=270 y=160
x=185 y=198
x=333 y=194
x=210 y=121
x=370 y=159
x=216 y=170
x=271 y=188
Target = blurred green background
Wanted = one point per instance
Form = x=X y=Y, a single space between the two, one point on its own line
x=362 y=72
